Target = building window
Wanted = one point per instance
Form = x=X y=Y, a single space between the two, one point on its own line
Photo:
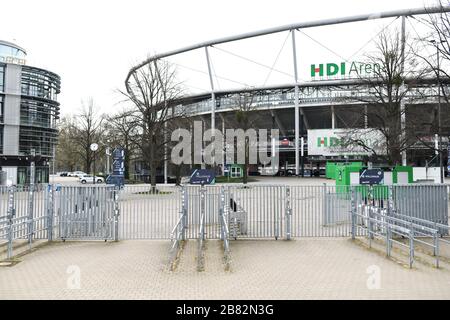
x=2 y=77
x=40 y=175
x=1 y=108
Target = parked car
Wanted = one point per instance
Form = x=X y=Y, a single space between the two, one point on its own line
x=63 y=174
x=78 y=174
x=87 y=178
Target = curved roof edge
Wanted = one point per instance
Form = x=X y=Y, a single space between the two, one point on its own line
x=301 y=25
x=10 y=44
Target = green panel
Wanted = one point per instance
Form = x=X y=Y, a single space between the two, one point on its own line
x=398 y=169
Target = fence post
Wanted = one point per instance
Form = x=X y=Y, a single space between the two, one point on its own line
x=10 y=215
x=50 y=212
x=221 y=212
x=202 y=211
x=436 y=248
x=30 y=220
x=411 y=247
x=288 y=213
x=116 y=213
x=353 y=211
x=182 y=212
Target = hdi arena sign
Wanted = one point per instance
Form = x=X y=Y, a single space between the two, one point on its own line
x=339 y=142
x=345 y=69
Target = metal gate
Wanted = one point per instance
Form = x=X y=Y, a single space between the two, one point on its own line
x=86 y=212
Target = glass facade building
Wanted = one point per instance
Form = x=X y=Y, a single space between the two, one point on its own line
x=28 y=112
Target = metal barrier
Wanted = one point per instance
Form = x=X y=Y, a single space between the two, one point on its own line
x=225 y=230
x=178 y=233
x=377 y=221
x=86 y=212
x=201 y=233
x=214 y=212
x=24 y=216
x=147 y=213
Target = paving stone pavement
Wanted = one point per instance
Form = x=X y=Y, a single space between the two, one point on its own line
x=298 y=269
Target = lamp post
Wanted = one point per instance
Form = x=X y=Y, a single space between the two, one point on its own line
x=441 y=174
x=94 y=147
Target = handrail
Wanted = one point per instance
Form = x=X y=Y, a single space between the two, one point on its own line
x=409 y=229
x=201 y=238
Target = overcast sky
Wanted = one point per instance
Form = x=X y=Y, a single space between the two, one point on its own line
x=92 y=44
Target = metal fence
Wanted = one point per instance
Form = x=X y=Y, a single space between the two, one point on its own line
x=147 y=213
x=252 y=211
x=23 y=215
x=85 y=212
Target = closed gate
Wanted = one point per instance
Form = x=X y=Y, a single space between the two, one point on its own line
x=86 y=212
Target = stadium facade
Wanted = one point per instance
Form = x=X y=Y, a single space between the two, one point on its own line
x=29 y=109
x=310 y=114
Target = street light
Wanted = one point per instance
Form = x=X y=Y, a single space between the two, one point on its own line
x=94 y=147
x=441 y=174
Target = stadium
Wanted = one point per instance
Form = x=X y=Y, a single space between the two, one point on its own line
x=314 y=103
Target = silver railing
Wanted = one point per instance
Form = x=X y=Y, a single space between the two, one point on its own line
x=201 y=233
x=178 y=233
x=225 y=230
x=24 y=216
x=375 y=221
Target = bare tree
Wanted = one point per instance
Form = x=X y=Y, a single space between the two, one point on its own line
x=87 y=128
x=245 y=117
x=153 y=90
x=385 y=94
x=67 y=156
x=435 y=53
x=123 y=132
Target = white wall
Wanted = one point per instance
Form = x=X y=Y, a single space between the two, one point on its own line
x=11 y=174
x=421 y=173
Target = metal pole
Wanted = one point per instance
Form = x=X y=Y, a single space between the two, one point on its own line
x=116 y=213
x=31 y=199
x=353 y=212
x=402 y=103
x=53 y=164
x=94 y=169
x=107 y=160
x=441 y=167
x=288 y=214
x=11 y=215
x=213 y=102
x=50 y=212
x=165 y=153
x=296 y=107
x=333 y=118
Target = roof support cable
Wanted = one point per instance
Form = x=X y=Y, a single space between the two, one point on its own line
x=276 y=59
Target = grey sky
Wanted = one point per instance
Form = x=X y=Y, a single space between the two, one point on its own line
x=92 y=44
